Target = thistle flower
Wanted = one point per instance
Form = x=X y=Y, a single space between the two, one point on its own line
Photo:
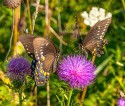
x=121 y=102
x=18 y=68
x=95 y=15
x=77 y=71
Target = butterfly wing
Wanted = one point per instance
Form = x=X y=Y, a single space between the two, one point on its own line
x=94 y=40
x=27 y=41
x=45 y=53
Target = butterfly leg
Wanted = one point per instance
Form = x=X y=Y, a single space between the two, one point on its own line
x=56 y=61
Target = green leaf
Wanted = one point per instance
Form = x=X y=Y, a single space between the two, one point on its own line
x=103 y=64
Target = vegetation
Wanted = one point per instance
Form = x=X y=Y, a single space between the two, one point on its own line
x=104 y=91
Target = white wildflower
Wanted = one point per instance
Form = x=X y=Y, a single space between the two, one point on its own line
x=108 y=15
x=95 y=15
x=94 y=12
x=84 y=14
x=87 y=22
x=101 y=10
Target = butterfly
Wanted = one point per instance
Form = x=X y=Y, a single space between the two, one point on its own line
x=94 y=40
x=44 y=55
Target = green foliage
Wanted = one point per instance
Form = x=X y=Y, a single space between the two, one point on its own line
x=110 y=67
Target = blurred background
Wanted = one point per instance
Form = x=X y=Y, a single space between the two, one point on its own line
x=61 y=20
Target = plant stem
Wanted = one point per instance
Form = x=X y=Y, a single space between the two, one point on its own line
x=60 y=32
x=16 y=32
x=35 y=15
x=11 y=37
x=35 y=93
x=20 y=97
x=123 y=3
x=29 y=16
x=48 y=94
x=85 y=89
x=83 y=96
x=47 y=18
x=93 y=59
x=69 y=98
x=62 y=103
x=57 y=36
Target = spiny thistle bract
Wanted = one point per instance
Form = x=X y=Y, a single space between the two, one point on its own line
x=77 y=71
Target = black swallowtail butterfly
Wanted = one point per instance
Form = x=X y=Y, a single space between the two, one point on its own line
x=44 y=54
x=94 y=41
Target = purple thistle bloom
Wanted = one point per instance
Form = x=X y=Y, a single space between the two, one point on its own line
x=77 y=71
x=18 y=68
x=121 y=102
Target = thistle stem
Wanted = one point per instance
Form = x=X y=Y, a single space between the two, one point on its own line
x=85 y=89
x=20 y=97
x=69 y=98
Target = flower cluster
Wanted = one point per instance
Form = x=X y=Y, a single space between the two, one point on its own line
x=18 y=68
x=95 y=15
x=77 y=71
x=121 y=102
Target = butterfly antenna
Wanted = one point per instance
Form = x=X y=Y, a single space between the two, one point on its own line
x=77 y=26
x=77 y=31
x=79 y=37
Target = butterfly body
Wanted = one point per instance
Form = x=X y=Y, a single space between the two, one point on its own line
x=94 y=40
x=44 y=54
x=33 y=66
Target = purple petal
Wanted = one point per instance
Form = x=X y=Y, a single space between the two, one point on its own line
x=77 y=71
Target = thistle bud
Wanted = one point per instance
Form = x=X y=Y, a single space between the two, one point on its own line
x=12 y=3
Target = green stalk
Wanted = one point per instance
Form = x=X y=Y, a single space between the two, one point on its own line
x=62 y=102
x=29 y=16
x=69 y=98
x=123 y=3
x=20 y=97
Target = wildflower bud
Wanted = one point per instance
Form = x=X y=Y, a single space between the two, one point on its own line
x=12 y=3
